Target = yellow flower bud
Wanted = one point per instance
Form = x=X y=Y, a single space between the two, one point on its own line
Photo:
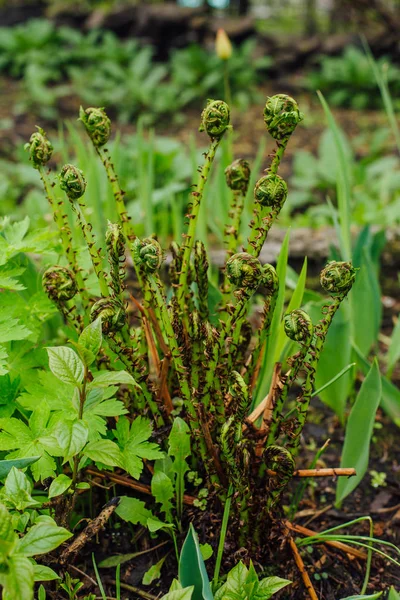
x=223 y=46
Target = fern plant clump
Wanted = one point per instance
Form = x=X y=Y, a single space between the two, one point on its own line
x=192 y=363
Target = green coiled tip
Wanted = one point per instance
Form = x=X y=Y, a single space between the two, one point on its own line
x=97 y=124
x=115 y=240
x=215 y=118
x=39 y=147
x=72 y=182
x=147 y=254
x=271 y=190
x=111 y=312
x=281 y=116
x=237 y=175
x=244 y=271
x=59 y=284
x=298 y=326
x=270 y=279
x=338 y=277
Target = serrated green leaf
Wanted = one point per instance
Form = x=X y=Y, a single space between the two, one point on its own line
x=133 y=510
x=71 y=438
x=163 y=492
x=18 y=582
x=106 y=378
x=59 y=485
x=17 y=489
x=104 y=451
x=359 y=432
x=91 y=340
x=192 y=570
x=18 y=463
x=137 y=447
x=66 y=365
x=154 y=572
x=8 y=537
x=41 y=539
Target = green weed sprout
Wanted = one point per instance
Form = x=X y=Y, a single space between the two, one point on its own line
x=183 y=358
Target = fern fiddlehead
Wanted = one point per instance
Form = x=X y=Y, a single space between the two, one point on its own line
x=73 y=183
x=215 y=120
x=337 y=279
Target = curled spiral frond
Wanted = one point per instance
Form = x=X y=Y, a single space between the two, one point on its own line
x=281 y=461
x=271 y=190
x=239 y=390
x=72 y=182
x=147 y=254
x=215 y=118
x=98 y=125
x=237 y=175
x=115 y=241
x=298 y=326
x=281 y=116
x=112 y=313
x=338 y=277
x=270 y=279
x=244 y=271
x=59 y=284
x=40 y=148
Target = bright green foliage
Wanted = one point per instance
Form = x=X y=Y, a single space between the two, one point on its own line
x=348 y=80
x=18 y=573
x=243 y=584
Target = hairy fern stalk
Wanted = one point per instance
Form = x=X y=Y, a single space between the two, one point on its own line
x=187 y=362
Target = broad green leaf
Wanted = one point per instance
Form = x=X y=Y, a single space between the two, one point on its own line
x=66 y=365
x=154 y=572
x=206 y=551
x=107 y=378
x=17 y=489
x=393 y=595
x=18 y=582
x=192 y=570
x=104 y=451
x=12 y=330
x=41 y=539
x=394 y=348
x=18 y=463
x=133 y=510
x=179 y=449
x=390 y=401
x=59 y=485
x=43 y=573
x=155 y=524
x=90 y=340
x=343 y=182
x=372 y=597
x=8 y=537
x=366 y=305
x=118 y=559
x=71 y=438
x=183 y=594
x=163 y=492
x=359 y=432
x=270 y=586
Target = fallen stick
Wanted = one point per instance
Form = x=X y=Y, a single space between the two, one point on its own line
x=303 y=572
x=90 y=531
x=338 y=472
x=134 y=485
x=339 y=545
